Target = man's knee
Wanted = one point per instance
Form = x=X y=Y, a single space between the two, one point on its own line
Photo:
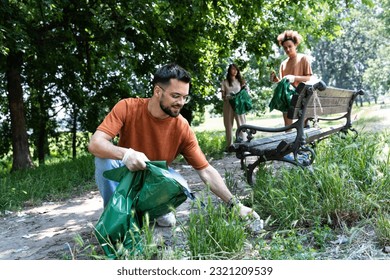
x=106 y=187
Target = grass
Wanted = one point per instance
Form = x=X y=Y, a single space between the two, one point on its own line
x=57 y=180
x=214 y=232
x=382 y=228
x=350 y=182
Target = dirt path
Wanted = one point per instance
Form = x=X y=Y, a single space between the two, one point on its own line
x=49 y=231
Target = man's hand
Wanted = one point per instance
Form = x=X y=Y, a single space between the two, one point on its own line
x=290 y=78
x=255 y=224
x=134 y=160
x=246 y=212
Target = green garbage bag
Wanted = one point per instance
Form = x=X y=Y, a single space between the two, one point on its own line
x=241 y=102
x=160 y=192
x=283 y=93
x=154 y=190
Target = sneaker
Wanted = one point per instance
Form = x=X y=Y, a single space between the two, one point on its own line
x=289 y=157
x=167 y=220
x=303 y=159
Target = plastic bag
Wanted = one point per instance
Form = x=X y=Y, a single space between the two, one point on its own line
x=156 y=201
x=283 y=93
x=241 y=102
x=155 y=190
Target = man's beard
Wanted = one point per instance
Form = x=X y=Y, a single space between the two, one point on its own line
x=168 y=111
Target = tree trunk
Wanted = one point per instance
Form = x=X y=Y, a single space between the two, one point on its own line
x=42 y=124
x=21 y=153
x=74 y=131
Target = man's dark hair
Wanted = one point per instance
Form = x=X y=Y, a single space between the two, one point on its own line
x=171 y=71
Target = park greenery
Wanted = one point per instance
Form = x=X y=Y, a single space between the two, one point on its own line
x=64 y=64
x=337 y=210
x=346 y=194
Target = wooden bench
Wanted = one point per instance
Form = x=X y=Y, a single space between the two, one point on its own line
x=314 y=103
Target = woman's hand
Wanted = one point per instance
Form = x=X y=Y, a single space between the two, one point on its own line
x=290 y=78
x=273 y=77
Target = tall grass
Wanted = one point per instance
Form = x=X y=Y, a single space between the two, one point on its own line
x=54 y=181
x=214 y=232
x=382 y=228
x=350 y=181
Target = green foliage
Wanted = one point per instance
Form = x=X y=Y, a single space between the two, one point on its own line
x=212 y=143
x=382 y=228
x=215 y=232
x=373 y=79
x=350 y=181
x=60 y=145
x=322 y=235
x=359 y=56
x=82 y=250
x=150 y=249
x=58 y=180
x=288 y=245
x=81 y=57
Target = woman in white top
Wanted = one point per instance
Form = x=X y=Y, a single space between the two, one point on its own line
x=232 y=84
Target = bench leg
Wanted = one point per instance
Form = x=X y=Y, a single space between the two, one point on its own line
x=303 y=157
x=311 y=157
x=346 y=130
x=249 y=171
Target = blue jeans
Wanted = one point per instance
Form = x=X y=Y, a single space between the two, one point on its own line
x=106 y=187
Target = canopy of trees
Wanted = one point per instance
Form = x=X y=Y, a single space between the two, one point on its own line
x=65 y=63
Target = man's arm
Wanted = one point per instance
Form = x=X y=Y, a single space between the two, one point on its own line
x=211 y=176
x=101 y=146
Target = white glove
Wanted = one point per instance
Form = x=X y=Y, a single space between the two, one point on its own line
x=246 y=212
x=255 y=224
x=134 y=160
x=290 y=78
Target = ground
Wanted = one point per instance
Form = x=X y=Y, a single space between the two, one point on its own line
x=49 y=231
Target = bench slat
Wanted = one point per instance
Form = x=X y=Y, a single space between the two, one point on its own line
x=329 y=101
x=332 y=101
x=266 y=145
x=330 y=91
x=279 y=137
x=322 y=133
x=289 y=138
x=310 y=112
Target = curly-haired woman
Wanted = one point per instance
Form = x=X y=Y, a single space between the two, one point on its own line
x=296 y=68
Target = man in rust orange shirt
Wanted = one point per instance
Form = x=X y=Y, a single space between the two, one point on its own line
x=153 y=129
